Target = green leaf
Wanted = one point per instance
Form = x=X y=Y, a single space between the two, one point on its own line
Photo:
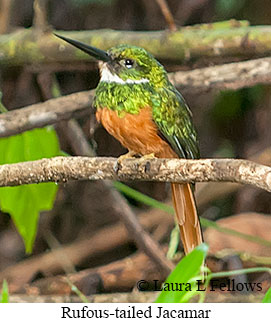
x=25 y=202
x=228 y=8
x=267 y=296
x=4 y=298
x=185 y=271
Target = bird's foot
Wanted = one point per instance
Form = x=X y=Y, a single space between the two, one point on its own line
x=148 y=156
x=130 y=154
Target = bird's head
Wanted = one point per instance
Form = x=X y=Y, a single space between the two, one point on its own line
x=125 y=64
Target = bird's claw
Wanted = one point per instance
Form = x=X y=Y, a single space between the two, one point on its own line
x=130 y=154
x=148 y=156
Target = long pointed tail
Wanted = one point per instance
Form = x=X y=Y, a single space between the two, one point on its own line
x=187 y=217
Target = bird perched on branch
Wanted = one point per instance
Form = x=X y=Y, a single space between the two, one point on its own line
x=137 y=104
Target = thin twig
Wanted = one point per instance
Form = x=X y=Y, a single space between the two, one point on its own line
x=40 y=22
x=145 y=242
x=42 y=114
x=167 y=14
x=5 y=15
x=59 y=252
x=71 y=129
x=77 y=139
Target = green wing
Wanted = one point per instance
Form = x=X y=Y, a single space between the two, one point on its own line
x=174 y=121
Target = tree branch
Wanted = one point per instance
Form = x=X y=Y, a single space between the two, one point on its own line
x=5 y=15
x=42 y=114
x=40 y=22
x=63 y=169
x=231 y=76
x=121 y=274
x=228 y=76
x=222 y=40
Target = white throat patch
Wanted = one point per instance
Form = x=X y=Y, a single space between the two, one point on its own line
x=107 y=76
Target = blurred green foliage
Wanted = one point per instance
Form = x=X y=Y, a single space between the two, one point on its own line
x=25 y=202
x=227 y=8
x=230 y=105
x=229 y=116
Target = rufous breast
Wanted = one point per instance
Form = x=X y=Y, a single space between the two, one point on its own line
x=136 y=132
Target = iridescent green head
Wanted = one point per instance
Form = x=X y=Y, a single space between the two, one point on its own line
x=125 y=64
x=133 y=65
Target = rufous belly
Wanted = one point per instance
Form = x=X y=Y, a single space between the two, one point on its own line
x=136 y=132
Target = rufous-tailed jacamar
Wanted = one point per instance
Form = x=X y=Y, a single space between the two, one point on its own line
x=137 y=104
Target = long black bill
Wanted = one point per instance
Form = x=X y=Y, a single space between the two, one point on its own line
x=92 y=51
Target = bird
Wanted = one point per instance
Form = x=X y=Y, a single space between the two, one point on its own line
x=138 y=105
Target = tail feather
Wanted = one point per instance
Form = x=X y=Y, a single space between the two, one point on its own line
x=187 y=217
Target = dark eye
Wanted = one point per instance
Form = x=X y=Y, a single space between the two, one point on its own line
x=129 y=63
